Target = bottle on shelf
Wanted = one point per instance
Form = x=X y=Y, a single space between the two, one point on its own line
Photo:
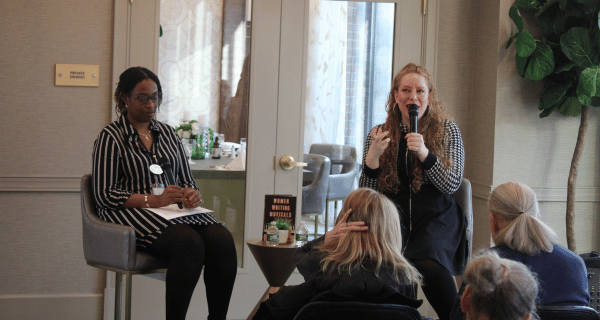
x=273 y=235
x=301 y=235
x=216 y=150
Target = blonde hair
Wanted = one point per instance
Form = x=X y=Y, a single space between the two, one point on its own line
x=381 y=243
x=500 y=288
x=430 y=126
x=517 y=204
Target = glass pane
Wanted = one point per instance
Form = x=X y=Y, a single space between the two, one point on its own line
x=204 y=70
x=349 y=73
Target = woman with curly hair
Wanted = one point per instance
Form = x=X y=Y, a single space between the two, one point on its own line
x=360 y=260
x=418 y=171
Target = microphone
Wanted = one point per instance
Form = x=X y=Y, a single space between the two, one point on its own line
x=413 y=115
x=166 y=166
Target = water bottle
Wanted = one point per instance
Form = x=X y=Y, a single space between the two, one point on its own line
x=273 y=235
x=301 y=235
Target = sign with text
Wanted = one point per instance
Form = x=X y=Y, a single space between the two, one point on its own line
x=279 y=207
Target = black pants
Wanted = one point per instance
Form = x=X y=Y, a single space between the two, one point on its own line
x=438 y=286
x=188 y=248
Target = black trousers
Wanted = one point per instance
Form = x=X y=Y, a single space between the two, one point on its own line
x=188 y=248
x=438 y=286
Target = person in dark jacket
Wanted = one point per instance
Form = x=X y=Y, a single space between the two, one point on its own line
x=359 y=260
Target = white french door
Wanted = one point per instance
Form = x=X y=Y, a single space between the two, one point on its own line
x=278 y=85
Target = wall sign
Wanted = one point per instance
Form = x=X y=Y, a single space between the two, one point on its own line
x=77 y=75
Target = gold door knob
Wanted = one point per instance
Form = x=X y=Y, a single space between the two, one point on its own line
x=287 y=163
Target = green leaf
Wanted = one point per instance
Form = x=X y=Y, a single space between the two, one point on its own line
x=553 y=93
x=515 y=15
x=527 y=4
x=595 y=101
x=548 y=111
x=571 y=107
x=545 y=6
x=564 y=67
x=525 y=44
x=577 y=46
x=541 y=63
x=521 y=63
x=563 y=4
x=589 y=82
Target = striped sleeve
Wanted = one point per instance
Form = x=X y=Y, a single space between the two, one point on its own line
x=448 y=179
x=106 y=158
x=366 y=180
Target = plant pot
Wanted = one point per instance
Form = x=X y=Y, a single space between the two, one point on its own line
x=283 y=236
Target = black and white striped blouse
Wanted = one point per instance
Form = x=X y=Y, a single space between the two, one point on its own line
x=121 y=169
x=445 y=179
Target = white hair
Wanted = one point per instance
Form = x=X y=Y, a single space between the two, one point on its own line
x=517 y=204
x=500 y=288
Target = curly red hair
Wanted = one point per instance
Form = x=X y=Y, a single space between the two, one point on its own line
x=430 y=126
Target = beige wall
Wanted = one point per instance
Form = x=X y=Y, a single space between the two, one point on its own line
x=48 y=134
x=47 y=138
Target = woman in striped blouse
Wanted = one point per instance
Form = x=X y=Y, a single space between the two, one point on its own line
x=123 y=154
x=418 y=171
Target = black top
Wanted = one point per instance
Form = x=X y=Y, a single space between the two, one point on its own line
x=433 y=224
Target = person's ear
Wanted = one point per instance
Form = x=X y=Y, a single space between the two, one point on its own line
x=494 y=222
x=527 y=317
x=465 y=300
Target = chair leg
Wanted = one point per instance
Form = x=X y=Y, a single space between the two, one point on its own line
x=326 y=216
x=316 y=227
x=118 y=281
x=128 y=284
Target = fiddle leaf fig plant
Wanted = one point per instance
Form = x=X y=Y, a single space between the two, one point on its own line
x=565 y=53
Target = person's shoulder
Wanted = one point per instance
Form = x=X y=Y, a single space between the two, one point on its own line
x=565 y=253
x=505 y=252
x=114 y=129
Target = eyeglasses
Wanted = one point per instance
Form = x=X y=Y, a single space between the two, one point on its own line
x=143 y=99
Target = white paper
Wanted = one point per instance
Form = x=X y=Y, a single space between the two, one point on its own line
x=172 y=211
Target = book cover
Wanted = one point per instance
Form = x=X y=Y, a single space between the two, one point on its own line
x=279 y=207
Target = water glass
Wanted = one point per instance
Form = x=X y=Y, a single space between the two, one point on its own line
x=243 y=144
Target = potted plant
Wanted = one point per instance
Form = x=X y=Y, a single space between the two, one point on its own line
x=566 y=54
x=283 y=225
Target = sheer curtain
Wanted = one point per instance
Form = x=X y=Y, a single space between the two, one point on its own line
x=349 y=65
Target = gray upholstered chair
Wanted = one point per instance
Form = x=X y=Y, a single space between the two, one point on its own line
x=464 y=197
x=314 y=194
x=112 y=247
x=343 y=174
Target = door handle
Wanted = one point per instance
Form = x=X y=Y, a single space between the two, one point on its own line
x=287 y=163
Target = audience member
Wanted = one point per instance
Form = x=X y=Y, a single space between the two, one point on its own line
x=360 y=259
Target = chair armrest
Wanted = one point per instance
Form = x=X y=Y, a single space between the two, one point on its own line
x=108 y=244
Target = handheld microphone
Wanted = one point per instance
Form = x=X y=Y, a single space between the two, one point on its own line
x=166 y=166
x=413 y=115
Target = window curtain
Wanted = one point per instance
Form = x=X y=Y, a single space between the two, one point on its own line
x=189 y=65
